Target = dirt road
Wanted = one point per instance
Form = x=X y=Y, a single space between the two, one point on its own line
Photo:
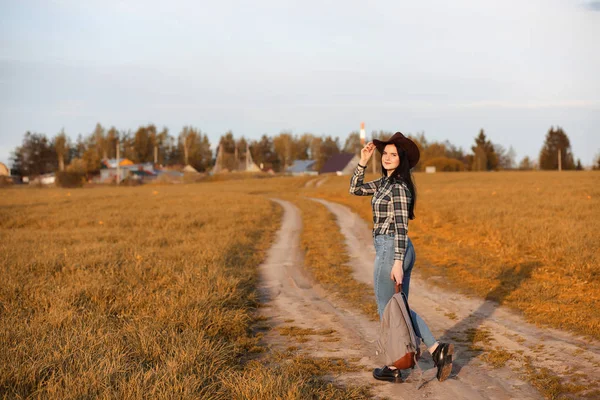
x=294 y=302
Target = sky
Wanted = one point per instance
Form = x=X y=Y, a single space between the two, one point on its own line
x=447 y=69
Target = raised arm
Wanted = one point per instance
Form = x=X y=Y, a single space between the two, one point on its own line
x=358 y=187
x=400 y=202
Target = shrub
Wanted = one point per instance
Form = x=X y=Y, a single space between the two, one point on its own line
x=5 y=181
x=70 y=179
x=445 y=164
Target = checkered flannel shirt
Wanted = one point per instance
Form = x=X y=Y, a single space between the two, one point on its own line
x=390 y=207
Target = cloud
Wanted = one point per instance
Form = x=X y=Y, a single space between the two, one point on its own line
x=593 y=5
x=531 y=105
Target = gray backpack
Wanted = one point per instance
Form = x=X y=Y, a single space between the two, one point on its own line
x=398 y=344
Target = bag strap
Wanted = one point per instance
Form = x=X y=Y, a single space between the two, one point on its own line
x=421 y=380
x=397 y=288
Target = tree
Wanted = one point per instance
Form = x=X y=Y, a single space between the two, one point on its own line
x=196 y=148
x=506 y=158
x=126 y=144
x=579 y=167
x=420 y=140
x=240 y=147
x=525 y=164
x=596 y=164
x=202 y=154
x=315 y=151
x=112 y=137
x=302 y=146
x=556 y=142
x=143 y=144
x=284 y=147
x=227 y=145
x=91 y=161
x=434 y=150
x=61 y=147
x=453 y=151
x=510 y=158
x=172 y=151
x=480 y=161
x=263 y=153
x=328 y=148
x=352 y=144
x=482 y=147
x=159 y=141
x=36 y=156
x=228 y=142
x=79 y=148
x=99 y=140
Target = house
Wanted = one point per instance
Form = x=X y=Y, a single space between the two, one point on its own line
x=44 y=179
x=340 y=164
x=230 y=162
x=189 y=169
x=4 y=171
x=108 y=172
x=302 y=167
x=112 y=162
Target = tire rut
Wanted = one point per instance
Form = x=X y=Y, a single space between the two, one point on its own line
x=453 y=317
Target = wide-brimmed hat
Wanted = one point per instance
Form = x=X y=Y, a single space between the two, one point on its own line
x=412 y=150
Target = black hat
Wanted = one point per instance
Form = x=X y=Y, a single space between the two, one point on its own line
x=412 y=150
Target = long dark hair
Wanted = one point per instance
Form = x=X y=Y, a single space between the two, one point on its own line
x=402 y=174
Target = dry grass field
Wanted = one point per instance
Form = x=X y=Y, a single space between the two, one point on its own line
x=528 y=240
x=146 y=292
x=151 y=292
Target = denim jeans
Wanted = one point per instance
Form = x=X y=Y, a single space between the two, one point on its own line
x=384 y=286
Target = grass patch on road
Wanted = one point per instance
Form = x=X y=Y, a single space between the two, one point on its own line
x=326 y=257
x=497 y=357
x=551 y=385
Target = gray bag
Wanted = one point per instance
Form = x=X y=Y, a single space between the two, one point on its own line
x=398 y=344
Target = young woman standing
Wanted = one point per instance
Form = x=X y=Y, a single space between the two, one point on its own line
x=393 y=204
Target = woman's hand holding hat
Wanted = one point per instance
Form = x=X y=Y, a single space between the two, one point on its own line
x=366 y=153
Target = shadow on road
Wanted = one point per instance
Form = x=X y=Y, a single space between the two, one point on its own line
x=466 y=332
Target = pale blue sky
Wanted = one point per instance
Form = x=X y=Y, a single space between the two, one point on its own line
x=511 y=67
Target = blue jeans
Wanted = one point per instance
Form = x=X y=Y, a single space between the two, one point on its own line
x=384 y=286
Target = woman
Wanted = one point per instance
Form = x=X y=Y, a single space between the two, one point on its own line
x=393 y=205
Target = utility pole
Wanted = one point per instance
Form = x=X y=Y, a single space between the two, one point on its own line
x=118 y=162
x=237 y=162
x=559 y=161
x=247 y=157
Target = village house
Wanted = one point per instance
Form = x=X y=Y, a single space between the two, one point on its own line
x=302 y=167
x=340 y=164
x=4 y=171
x=108 y=172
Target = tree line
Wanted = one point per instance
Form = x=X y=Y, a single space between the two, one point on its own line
x=39 y=154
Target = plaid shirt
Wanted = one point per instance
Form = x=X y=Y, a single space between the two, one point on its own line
x=390 y=207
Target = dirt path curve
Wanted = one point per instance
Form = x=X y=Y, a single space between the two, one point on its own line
x=316 y=182
x=292 y=301
x=450 y=317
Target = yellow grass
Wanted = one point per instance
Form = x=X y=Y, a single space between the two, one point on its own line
x=145 y=292
x=150 y=291
x=528 y=240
